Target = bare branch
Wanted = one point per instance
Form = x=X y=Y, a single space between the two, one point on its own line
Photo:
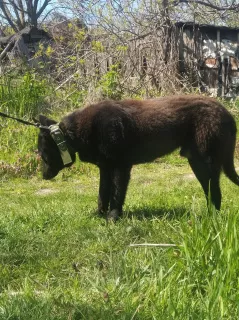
x=209 y=4
x=43 y=7
x=35 y=5
x=7 y=15
x=16 y=11
x=22 y=11
x=6 y=50
x=13 y=4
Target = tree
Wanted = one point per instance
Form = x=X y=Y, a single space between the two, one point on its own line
x=139 y=37
x=218 y=12
x=19 y=13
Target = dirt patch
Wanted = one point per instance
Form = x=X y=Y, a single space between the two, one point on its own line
x=44 y=192
x=188 y=176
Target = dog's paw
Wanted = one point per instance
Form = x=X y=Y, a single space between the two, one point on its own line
x=113 y=215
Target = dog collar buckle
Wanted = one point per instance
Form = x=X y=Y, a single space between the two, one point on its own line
x=59 y=139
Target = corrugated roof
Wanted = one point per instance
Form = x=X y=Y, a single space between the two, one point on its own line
x=204 y=26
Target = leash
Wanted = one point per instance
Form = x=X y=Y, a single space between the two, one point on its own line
x=56 y=134
x=37 y=125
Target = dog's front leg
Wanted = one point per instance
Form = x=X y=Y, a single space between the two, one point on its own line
x=119 y=183
x=104 y=189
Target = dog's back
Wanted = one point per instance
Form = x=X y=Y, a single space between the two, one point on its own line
x=189 y=122
x=142 y=130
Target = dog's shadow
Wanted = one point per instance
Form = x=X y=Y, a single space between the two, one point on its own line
x=161 y=212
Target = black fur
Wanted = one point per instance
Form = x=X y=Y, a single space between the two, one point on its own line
x=115 y=135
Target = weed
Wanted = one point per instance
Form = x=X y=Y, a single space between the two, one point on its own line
x=110 y=83
x=24 y=95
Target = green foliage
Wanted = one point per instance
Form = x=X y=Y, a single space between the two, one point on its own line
x=237 y=103
x=17 y=152
x=122 y=48
x=70 y=99
x=97 y=46
x=110 y=83
x=44 y=50
x=23 y=95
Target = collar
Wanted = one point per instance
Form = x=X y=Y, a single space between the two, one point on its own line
x=60 y=141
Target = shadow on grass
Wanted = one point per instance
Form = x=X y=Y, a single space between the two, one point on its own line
x=142 y=213
x=161 y=212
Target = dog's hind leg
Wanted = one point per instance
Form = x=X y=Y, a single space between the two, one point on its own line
x=208 y=174
x=119 y=183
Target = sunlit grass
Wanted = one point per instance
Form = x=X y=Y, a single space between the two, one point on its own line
x=59 y=260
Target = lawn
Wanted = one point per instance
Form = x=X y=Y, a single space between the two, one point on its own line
x=60 y=260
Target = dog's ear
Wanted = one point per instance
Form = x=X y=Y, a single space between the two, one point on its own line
x=44 y=121
x=36 y=121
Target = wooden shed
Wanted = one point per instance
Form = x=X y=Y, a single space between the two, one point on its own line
x=209 y=55
x=24 y=45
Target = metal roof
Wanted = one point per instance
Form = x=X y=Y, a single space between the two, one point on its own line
x=204 y=26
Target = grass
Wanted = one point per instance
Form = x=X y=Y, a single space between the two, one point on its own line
x=22 y=95
x=60 y=261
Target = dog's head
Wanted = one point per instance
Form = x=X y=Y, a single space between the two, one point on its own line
x=50 y=152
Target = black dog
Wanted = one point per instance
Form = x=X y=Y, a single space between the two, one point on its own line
x=115 y=135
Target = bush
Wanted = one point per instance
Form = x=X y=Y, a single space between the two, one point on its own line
x=23 y=95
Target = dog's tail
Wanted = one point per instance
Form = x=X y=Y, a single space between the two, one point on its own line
x=231 y=173
x=228 y=159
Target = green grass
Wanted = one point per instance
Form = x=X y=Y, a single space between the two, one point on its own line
x=23 y=95
x=59 y=260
